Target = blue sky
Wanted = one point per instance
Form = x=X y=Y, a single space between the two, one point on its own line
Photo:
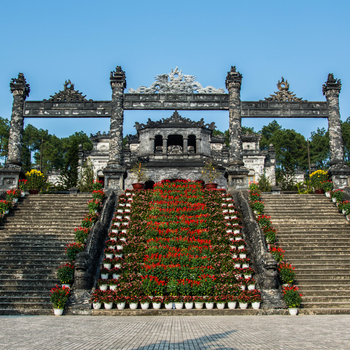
x=84 y=40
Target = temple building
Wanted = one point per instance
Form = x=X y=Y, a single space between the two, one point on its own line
x=177 y=148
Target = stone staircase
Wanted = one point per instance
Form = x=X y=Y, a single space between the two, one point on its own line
x=316 y=238
x=33 y=238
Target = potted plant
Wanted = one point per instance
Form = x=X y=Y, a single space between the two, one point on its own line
x=210 y=174
x=198 y=302
x=22 y=184
x=120 y=300
x=103 y=284
x=292 y=298
x=337 y=195
x=179 y=301
x=287 y=273
x=36 y=181
x=59 y=297
x=5 y=206
x=96 y=299
x=188 y=300
x=243 y=300
x=144 y=302
x=317 y=177
x=94 y=205
x=157 y=302
x=140 y=172
x=232 y=302
x=97 y=185
x=73 y=249
x=209 y=302
x=108 y=299
x=81 y=234
x=255 y=298
x=65 y=273
x=327 y=187
x=168 y=302
x=133 y=302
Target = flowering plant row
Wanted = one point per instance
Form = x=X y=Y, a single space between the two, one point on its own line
x=176 y=241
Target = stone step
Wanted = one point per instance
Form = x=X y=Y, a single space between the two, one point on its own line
x=28 y=271
x=33 y=245
x=25 y=292
x=326 y=270
x=29 y=285
x=325 y=304
x=28 y=276
x=296 y=248
x=25 y=305
x=22 y=311
x=324 y=293
x=324 y=311
x=321 y=281
x=311 y=240
x=44 y=299
x=331 y=287
x=35 y=237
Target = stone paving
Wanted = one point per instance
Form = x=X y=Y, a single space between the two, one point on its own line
x=170 y=333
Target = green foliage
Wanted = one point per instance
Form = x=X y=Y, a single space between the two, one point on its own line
x=247 y=130
x=4 y=136
x=69 y=173
x=304 y=187
x=264 y=183
x=65 y=273
x=87 y=177
x=345 y=129
x=292 y=297
x=319 y=148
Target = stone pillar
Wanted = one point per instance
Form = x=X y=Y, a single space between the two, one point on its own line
x=165 y=145
x=339 y=171
x=20 y=90
x=115 y=170
x=237 y=174
x=198 y=145
x=12 y=171
x=185 y=150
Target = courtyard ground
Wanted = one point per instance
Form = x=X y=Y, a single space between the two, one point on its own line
x=201 y=332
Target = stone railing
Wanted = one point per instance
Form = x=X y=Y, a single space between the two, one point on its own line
x=87 y=263
x=264 y=263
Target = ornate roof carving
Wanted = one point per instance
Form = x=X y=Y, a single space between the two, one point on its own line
x=331 y=84
x=175 y=119
x=68 y=94
x=100 y=135
x=174 y=83
x=283 y=94
x=20 y=84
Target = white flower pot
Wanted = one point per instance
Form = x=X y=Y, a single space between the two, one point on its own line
x=58 y=312
x=114 y=231
x=118 y=255
x=179 y=305
x=104 y=276
x=251 y=286
x=209 y=305
x=328 y=194
x=198 y=305
x=237 y=231
x=133 y=306
x=109 y=256
x=113 y=287
x=96 y=306
x=119 y=247
x=156 y=306
x=243 y=256
x=66 y=285
x=229 y=231
x=169 y=306
x=256 y=305
x=189 y=305
x=118 y=265
x=243 y=287
x=121 y=306
x=115 y=276
x=120 y=211
x=237 y=266
x=107 y=266
x=243 y=306
x=108 y=306
x=248 y=276
x=293 y=311
x=232 y=305
x=123 y=239
x=22 y=194
x=226 y=217
x=144 y=306
x=334 y=200
x=119 y=217
x=241 y=246
x=103 y=287
x=244 y=265
x=220 y=306
x=238 y=238
x=234 y=256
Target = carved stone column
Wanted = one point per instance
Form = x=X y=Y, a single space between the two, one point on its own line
x=338 y=171
x=165 y=145
x=198 y=145
x=115 y=170
x=12 y=171
x=236 y=172
x=185 y=150
x=20 y=90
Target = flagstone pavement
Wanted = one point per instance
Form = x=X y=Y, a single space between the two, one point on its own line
x=159 y=332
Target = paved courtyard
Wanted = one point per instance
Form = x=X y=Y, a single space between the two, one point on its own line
x=207 y=332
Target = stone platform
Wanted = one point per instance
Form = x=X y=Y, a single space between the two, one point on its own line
x=187 y=333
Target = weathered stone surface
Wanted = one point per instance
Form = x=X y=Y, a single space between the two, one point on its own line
x=263 y=262
x=233 y=85
x=118 y=84
x=20 y=90
x=331 y=90
x=87 y=263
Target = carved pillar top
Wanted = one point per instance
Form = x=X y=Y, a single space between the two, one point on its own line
x=117 y=79
x=233 y=79
x=19 y=86
x=331 y=84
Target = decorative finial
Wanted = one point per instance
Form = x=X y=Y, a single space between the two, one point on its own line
x=331 y=84
x=117 y=78
x=233 y=79
x=19 y=85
